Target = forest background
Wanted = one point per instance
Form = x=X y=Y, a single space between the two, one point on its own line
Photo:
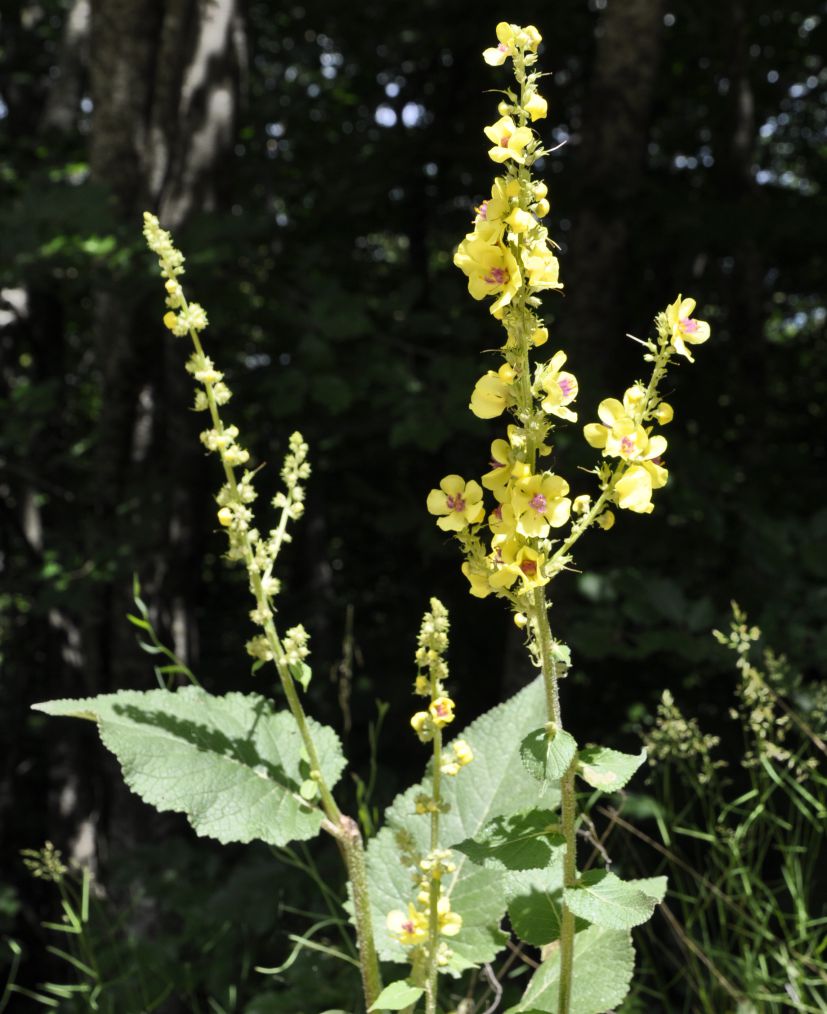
x=318 y=163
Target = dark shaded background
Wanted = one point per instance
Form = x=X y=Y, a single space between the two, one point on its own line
x=318 y=163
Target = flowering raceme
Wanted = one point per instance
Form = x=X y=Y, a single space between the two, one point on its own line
x=509 y=257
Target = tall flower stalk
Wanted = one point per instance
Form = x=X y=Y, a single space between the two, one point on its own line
x=258 y=552
x=429 y=918
x=516 y=548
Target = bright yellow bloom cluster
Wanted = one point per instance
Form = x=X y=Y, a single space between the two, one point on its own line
x=411 y=927
x=508 y=256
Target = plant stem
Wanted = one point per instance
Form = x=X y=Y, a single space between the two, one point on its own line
x=343 y=828
x=354 y=855
x=568 y=807
x=433 y=911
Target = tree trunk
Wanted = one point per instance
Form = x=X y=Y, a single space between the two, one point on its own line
x=608 y=165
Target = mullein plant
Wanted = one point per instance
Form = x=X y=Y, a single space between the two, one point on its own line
x=492 y=826
x=516 y=546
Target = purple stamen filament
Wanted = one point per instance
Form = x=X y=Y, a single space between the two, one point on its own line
x=538 y=502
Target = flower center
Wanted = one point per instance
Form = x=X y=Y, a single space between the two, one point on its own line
x=455 y=503
x=505 y=139
x=497 y=512
x=502 y=47
x=538 y=502
x=627 y=445
x=408 y=926
x=482 y=211
x=496 y=276
x=565 y=386
x=688 y=325
x=528 y=567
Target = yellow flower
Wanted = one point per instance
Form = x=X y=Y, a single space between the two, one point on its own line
x=490 y=269
x=423 y=726
x=514 y=559
x=539 y=336
x=620 y=436
x=540 y=503
x=490 y=221
x=581 y=504
x=410 y=928
x=509 y=38
x=501 y=520
x=225 y=517
x=459 y=503
x=542 y=268
x=462 y=752
x=509 y=140
x=450 y=923
x=664 y=413
x=633 y=491
x=606 y=520
x=480 y=588
x=536 y=107
x=490 y=396
x=560 y=388
x=685 y=329
x=441 y=711
x=502 y=458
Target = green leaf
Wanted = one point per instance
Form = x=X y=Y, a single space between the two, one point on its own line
x=521 y=841
x=231 y=763
x=606 y=900
x=302 y=674
x=397 y=996
x=547 y=757
x=608 y=770
x=604 y=960
x=654 y=887
x=494 y=784
x=535 y=903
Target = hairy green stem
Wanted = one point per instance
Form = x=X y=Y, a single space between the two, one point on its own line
x=433 y=911
x=568 y=806
x=343 y=828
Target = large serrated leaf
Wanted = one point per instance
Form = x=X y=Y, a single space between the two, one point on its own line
x=547 y=757
x=604 y=960
x=229 y=763
x=520 y=841
x=495 y=784
x=606 y=900
x=608 y=770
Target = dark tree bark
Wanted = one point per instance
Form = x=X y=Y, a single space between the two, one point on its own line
x=608 y=166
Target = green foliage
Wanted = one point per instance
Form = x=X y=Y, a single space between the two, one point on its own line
x=607 y=770
x=743 y=845
x=396 y=996
x=231 y=763
x=547 y=755
x=496 y=785
x=605 y=900
x=520 y=841
x=603 y=964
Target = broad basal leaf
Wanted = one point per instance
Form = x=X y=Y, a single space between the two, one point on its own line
x=229 y=763
x=606 y=900
x=608 y=770
x=521 y=841
x=495 y=784
x=547 y=757
x=603 y=964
